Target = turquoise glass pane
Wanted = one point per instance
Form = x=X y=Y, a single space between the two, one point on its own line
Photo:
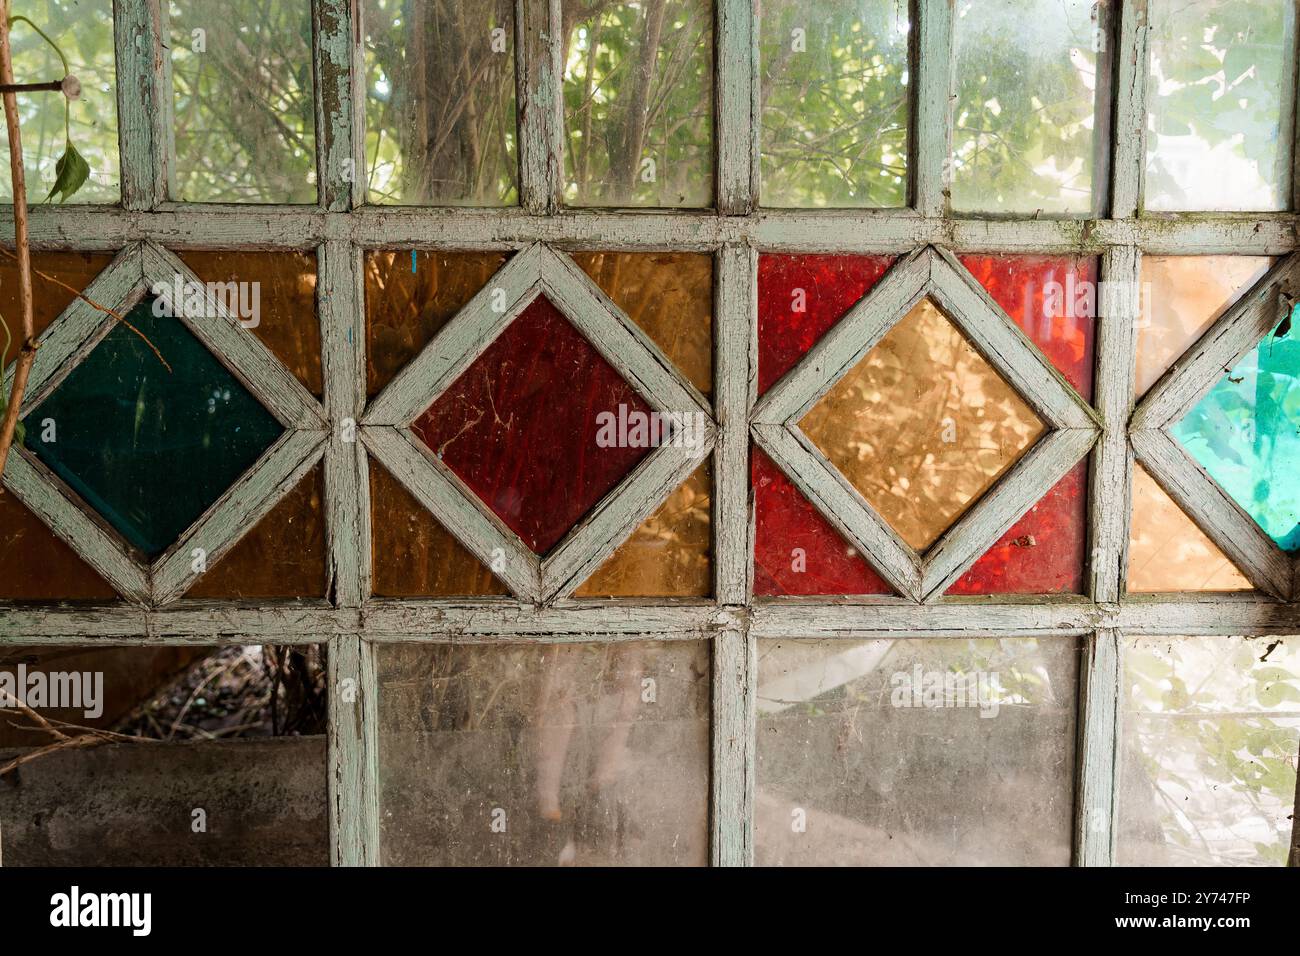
x=1246 y=433
x=150 y=449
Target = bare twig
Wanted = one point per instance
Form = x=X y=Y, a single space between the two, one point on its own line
x=27 y=351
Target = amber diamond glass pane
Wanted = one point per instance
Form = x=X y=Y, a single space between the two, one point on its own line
x=521 y=426
x=922 y=425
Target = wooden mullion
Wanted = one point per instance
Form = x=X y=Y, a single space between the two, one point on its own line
x=1097 y=760
x=540 y=85
x=144 y=101
x=339 y=93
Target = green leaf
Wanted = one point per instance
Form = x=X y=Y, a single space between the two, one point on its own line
x=70 y=174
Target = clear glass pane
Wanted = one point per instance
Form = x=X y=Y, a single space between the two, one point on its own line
x=834 y=84
x=83 y=32
x=1221 y=98
x=440 y=102
x=535 y=754
x=1023 y=117
x=1211 y=730
x=244 y=121
x=638 y=103
x=916 y=752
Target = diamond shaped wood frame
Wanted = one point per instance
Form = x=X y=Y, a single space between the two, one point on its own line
x=1186 y=382
x=1072 y=425
x=386 y=432
x=70 y=338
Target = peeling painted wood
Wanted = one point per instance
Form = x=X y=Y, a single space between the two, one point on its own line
x=539 y=73
x=896 y=232
x=1132 y=65
x=353 y=741
x=734 y=761
x=1096 y=820
x=1111 y=472
x=340 y=295
x=143 y=102
x=735 y=333
x=340 y=104
x=736 y=107
x=931 y=133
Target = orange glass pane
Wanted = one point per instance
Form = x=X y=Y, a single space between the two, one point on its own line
x=1167 y=551
x=52 y=274
x=286 y=302
x=410 y=297
x=283 y=556
x=670 y=296
x=1182 y=297
x=37 y=565
x=922 y=425
x=668 y=555
x=414 y=556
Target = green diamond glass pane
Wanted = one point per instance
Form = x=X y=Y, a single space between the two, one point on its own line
x=1246 y=433
x=150 y=449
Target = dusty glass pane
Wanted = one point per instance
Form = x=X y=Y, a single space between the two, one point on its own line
x=83 y=31
x=577 y=754
x=1221 y=97
x=1182 y=296
x=440 y=102
x=244 y=122
x=1211 y=730
x=922 y=425
x=834 y=86
x=1167 y=551
x=915 y=752
x=638 y=103
x=1024 y=112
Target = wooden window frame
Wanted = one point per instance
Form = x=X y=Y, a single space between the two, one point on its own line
x=341 y=227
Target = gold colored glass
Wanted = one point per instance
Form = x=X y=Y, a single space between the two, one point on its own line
x=1182 y=296
x=922 y=426
x=1167 y=552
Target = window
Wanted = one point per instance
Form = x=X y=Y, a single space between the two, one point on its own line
x=789 y=403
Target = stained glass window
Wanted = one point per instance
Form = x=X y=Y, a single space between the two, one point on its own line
x=243 y=118
x=1024 y=111
x=440 y=102
x=520 y=426
x=540 y=754
x=1211 y=727
x=638 y=104
x=1052 y=298
x=834 y=716
x=281 y=288
x=282 y=556
x=1181 y=297
x=1221 y=99
x=150 y=448
x=1167 y=552
x=413 y=555
x=835 y=79
x=410 y=296
x=669 y=554
x=796 y=550
x=922 y=426
x=1246 y=434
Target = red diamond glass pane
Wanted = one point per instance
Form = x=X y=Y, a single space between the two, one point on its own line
x=520 y=426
